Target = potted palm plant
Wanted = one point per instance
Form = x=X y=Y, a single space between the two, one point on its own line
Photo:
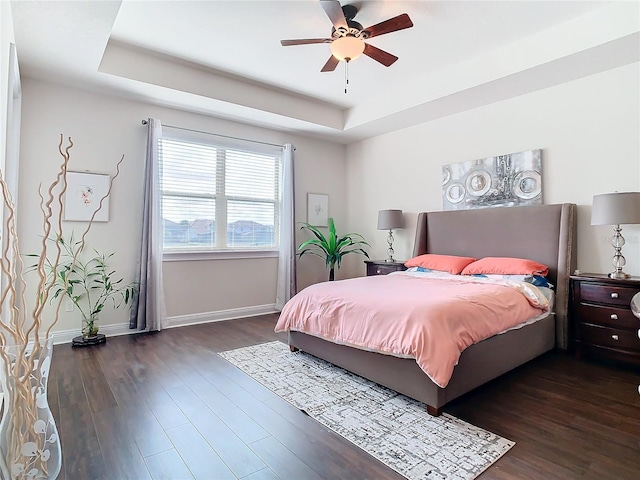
x=332 y=247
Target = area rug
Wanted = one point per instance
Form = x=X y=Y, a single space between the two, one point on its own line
x=391 y=427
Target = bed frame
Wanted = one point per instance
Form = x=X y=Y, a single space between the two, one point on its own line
x=545 y=233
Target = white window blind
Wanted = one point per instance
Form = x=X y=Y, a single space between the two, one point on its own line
x=219 y=196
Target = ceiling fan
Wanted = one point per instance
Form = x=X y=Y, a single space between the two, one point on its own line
x=347 y=40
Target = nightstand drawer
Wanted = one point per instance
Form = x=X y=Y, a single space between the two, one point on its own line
x=607 y=294
x=382 y=269
x=607 y=316
x=610 y=337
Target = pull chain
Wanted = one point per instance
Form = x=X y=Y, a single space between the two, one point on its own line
x=346 y=75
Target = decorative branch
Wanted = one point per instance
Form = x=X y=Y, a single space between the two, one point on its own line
x=25 y=434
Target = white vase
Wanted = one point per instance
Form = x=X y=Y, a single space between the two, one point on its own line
x=29 y=443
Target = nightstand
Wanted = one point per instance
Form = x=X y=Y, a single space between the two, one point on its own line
x=380 y=267
x=601 y=319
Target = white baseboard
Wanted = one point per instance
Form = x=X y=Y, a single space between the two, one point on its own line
x=220 y=315
x=65 y=336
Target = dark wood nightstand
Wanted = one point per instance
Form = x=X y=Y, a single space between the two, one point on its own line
x=380 y=267
x=601 y=319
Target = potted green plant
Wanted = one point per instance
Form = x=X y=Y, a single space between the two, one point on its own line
x=332 y=247
x=88 y=284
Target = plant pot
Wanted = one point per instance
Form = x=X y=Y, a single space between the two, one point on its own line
x=90 y=327
x=29 y=443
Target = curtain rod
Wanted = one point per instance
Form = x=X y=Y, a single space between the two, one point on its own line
x=144 y=122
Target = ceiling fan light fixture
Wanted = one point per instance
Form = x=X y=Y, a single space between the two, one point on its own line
x=347 y=48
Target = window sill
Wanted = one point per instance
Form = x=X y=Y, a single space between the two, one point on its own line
x=182 y=256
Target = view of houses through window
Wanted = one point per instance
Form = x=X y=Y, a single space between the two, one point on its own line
x=215 y=197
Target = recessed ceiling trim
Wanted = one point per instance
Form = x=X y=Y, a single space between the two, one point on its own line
x=145 y=66
x=576 y=37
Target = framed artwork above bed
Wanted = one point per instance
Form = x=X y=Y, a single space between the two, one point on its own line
x=514 y=179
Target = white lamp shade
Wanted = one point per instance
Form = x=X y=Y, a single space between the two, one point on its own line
x=348 y=47
x=390 y=219
x=616 y=209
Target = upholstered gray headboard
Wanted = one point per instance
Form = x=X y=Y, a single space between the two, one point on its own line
x=545 y=233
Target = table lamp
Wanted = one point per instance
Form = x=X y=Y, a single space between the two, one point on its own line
x=616 y=209
x=388 y=220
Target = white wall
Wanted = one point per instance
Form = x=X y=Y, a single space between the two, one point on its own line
x=6 y=38
x=9 y=130
x=588 y=129
x=103 y=128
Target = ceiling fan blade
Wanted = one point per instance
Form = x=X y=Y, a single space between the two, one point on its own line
x=378 y=55
x=392 y=25
x=333 y=9
x=304 y=41
x=331 y=64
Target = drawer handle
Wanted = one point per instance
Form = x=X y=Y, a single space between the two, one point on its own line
x=614 y=295
x=639 y=333
x=614 y=316
x=615 y=337
x=378 y=271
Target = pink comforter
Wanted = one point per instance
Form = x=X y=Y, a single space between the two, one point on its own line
x=430 y=319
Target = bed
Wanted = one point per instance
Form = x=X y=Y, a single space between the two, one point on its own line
x=543 y=233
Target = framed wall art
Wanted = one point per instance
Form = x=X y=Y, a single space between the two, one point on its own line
x=504 y=180
x=83 y=195
x=317 y=209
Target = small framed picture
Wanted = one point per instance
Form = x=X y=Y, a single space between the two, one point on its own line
x=83 y=195
x=317 y=209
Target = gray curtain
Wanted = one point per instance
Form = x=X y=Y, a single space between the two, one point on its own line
x=287 y=258
x=148 y=311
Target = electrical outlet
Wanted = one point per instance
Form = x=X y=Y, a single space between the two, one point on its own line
x=68 y=305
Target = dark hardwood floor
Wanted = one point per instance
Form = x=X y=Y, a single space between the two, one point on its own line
x=165 y=406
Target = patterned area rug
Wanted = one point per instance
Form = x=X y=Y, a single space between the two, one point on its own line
x=391 y=427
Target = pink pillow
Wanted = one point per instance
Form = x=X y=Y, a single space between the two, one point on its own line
x=444 y=263
x=506 y=266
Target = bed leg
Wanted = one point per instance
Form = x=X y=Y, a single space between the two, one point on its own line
x=433 y=411
x=293 y=349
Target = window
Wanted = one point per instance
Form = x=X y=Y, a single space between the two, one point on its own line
x=219 y=196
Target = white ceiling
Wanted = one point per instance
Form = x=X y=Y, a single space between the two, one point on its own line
x=224 y=58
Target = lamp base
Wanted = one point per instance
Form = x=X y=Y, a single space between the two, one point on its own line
x=618 y=259
x=390 y=249
x=619 y=275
